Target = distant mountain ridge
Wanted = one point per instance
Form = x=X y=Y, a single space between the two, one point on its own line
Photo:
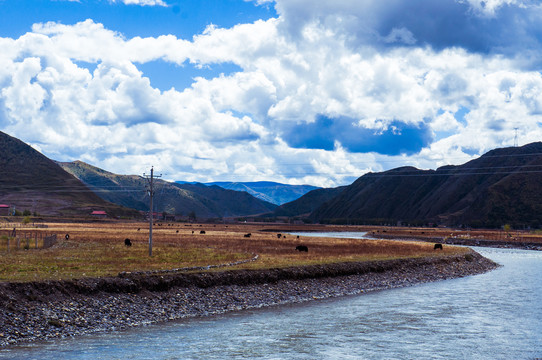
x=273 y=192
x=173 y=198
x=502 y=186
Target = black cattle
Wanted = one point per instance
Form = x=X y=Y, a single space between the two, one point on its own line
x=67 y=236
x=247 y=235
x=302 y=248
x=177 y=231
x=127 y=242
x=279 y=236
x=202 y=232
x=437 y=246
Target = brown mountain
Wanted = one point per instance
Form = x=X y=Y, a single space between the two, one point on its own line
x=502 y=186
x=173 y=198
x=308 y=203
x=31 y=181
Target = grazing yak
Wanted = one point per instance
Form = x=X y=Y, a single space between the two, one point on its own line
x=279 y=236
x=127 y=242
x=302 y=248
x=202 y=232
x=437 y=246
x=247 y=235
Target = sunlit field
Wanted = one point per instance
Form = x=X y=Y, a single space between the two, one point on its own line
x=98 y=249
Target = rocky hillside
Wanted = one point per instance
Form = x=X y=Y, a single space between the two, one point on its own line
x=502 y=186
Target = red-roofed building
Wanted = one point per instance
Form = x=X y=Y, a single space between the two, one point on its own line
x=99 y=213
x=4 y=209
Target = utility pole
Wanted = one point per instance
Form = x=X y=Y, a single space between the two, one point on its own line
x=516 y=137
x=151 y=213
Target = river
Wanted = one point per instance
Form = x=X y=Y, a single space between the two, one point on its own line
x=497 y=315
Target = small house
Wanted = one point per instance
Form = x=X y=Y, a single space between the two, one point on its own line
x=4 y=209
x=99 y=214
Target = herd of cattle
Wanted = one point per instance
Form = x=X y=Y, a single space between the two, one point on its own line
x=300 y=248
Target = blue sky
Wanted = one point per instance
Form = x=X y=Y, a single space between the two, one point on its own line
x=280 y=90
x=181 y=18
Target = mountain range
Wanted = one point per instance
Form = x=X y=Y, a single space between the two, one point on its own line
x=273 y=192
x=501 y=187
x=173 y=198
x=31 y=181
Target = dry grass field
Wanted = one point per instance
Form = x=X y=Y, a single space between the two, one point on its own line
x=97 y=249
x=532 y=236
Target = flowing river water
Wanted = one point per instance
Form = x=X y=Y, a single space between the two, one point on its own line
x=497 y=315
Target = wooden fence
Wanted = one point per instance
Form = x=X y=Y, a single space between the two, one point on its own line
x=16 y=239
x=18 y=225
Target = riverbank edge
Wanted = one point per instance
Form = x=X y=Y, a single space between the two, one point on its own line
x=57 y=309
x=499 y=244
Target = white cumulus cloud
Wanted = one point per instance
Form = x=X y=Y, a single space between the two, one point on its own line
x=325 y=92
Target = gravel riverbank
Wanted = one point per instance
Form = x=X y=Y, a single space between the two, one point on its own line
x=35 y=311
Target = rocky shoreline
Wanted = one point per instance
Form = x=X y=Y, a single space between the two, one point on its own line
x=53 y=309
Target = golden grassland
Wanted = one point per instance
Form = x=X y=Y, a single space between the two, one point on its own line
x=531 y=236
x=97 y=249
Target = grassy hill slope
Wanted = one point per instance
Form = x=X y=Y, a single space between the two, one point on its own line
x=308 y=203
x=173 y=198
x=502 y=186
x=31 y=181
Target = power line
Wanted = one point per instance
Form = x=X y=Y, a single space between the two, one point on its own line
x=455 y=171
x=151 y=212
x=53 y=187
